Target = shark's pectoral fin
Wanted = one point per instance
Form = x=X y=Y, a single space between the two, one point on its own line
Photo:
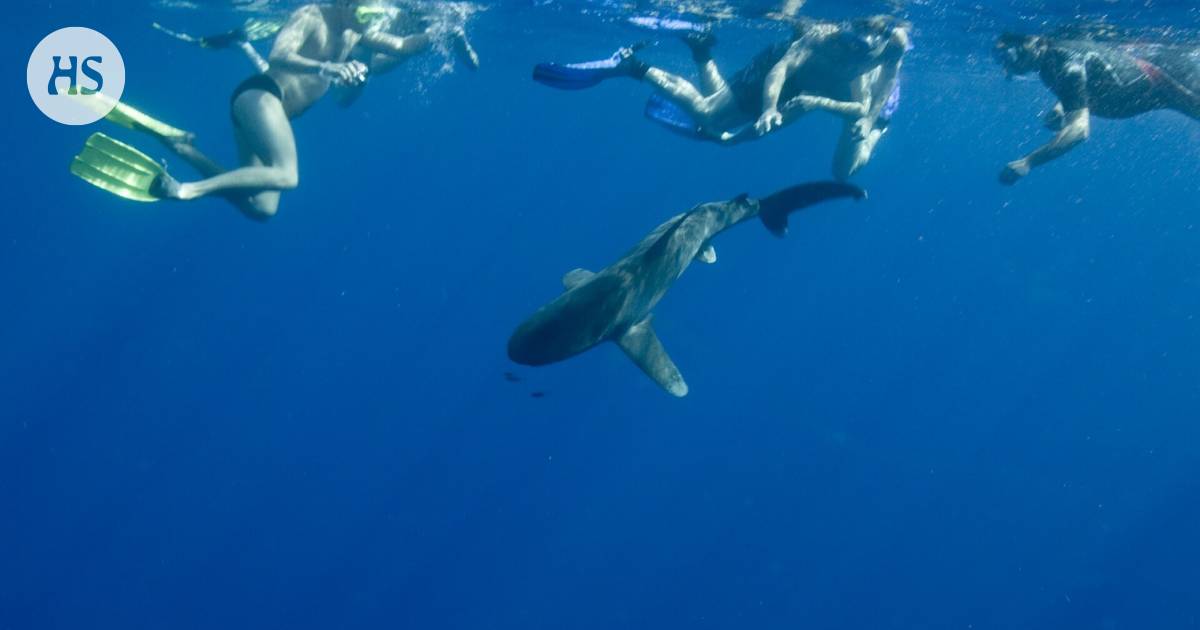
x=707 y=254
x=642 y=345
x=576 y=277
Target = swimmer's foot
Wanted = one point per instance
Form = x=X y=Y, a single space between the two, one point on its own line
x=166 y=187
x=630 y=65
x=701 y=44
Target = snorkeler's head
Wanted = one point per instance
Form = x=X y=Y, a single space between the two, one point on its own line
x=869 y=36
x=369 y=13
x=366 y=12
x=1018 y=54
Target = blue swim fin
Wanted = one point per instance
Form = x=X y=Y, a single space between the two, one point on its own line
x=673 y=117
x=579 y=76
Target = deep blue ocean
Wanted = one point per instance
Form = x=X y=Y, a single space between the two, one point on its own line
x=954 y=405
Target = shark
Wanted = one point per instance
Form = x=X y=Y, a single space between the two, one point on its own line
x=616 y=303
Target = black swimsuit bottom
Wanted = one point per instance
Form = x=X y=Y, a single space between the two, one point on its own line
x=263 y=82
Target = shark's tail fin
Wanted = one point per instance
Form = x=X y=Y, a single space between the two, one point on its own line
x=774 y=209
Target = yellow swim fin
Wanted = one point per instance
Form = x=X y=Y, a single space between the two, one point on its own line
x=117 y=167
x=130 y=118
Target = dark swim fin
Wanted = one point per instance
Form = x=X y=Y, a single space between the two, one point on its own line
x=580 y=76
x=253 y=30
x=774 y=209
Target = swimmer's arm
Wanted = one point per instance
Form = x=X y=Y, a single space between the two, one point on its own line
x=889 y=76
x=849 y=109
x=396 y=46
x=1076 y=127
x=795 y=57
x=860 y=91
x=291 y=38
x=381 y=63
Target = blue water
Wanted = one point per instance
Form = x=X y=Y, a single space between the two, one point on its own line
x=956 y=405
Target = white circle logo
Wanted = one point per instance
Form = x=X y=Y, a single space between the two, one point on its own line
x=76 y=76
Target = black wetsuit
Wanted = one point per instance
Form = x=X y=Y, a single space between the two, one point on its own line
x=1122 y=80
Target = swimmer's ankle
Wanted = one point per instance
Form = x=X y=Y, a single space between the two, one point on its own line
x=701 y=44
x=632 y=66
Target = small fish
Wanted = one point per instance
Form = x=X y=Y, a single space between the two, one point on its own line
x=512 y=378
x=537 y=394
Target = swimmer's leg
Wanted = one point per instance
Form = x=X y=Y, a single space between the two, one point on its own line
x=701 y=45
x=262 y=205
x=267 y=134
x=705 y=109
x=208 y=167
x=855 y=146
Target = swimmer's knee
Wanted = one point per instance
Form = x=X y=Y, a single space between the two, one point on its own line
x=289 y=180
x=262 y=208
x=286 y=178
x=714 y=104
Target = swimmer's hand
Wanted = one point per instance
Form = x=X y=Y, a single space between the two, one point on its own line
x=769 y=120
x=349 y=73
x=1014 y=171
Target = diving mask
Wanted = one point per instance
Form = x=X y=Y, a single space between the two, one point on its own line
x=366 y=14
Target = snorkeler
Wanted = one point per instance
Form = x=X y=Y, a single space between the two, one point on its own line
x=378 y=17
x=309 y=56
x=850 y=69
x=1108 y=79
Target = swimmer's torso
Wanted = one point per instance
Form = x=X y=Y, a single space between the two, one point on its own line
x=301 y=90
x=1120 y=80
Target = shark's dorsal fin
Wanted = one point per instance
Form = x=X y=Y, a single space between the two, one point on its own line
x=576 y=277
x=643 y=347
x=707 y=254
